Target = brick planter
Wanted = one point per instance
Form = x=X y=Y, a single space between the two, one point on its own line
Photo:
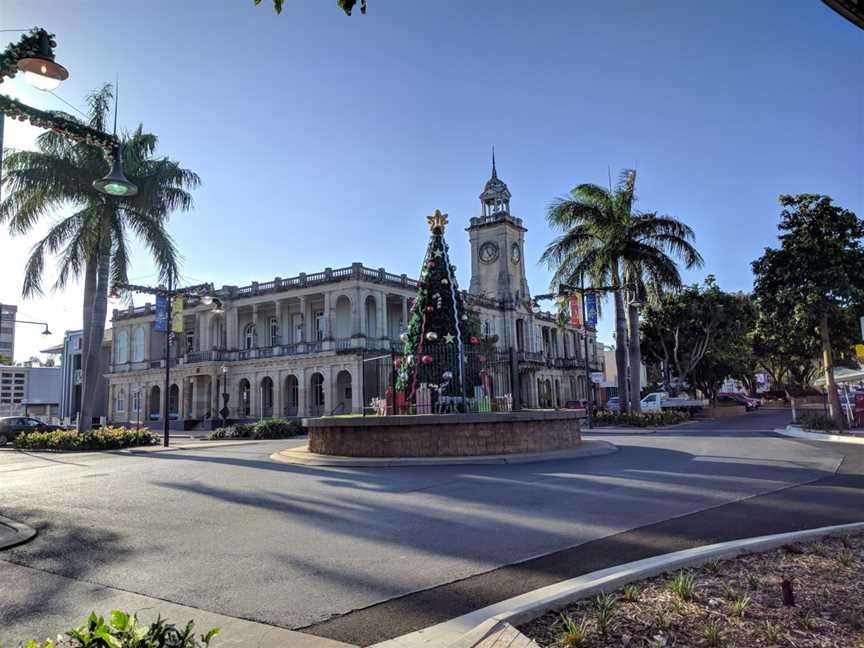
x=445 y=435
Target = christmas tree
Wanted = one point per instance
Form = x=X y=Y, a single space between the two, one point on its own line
x=433 y=364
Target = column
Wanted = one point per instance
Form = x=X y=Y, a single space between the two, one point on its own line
x=256 y=334
x=279 y=324
x=301 y=392
x=278 y=388
x=357 y=403
x=404 y=312
x=328 y=316
x=304 y=319
x=381 y=302
x=358 y=314
x=232 y=323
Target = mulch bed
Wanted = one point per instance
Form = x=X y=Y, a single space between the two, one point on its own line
x=734 y=602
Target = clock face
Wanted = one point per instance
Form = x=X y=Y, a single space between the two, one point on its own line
x=515 y=253
x=488 y=252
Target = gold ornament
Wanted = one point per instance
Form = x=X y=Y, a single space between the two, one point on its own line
x=437 y=220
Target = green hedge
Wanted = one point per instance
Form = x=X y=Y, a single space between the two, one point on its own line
x=816 y=421
x=642 y=419
x=124 y=631
x=106 y=438
x=267 y=429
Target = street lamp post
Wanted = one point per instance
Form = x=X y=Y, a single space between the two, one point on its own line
x=18 y=321
x=203 y=292
x=224 y=412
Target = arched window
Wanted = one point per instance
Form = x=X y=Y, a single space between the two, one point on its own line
x=274 y=332
x=121 y=349
x=245 y=400
x=120 y=400
x=155 y=403
x=174 y=402
x=487 y=328
x=249 y=336
x=317 y=400
x=267 y=397
x=292 y=388
x=138 y=345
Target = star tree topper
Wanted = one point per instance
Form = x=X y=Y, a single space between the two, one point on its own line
x=437 y=220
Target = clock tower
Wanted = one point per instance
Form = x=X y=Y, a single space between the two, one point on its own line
x=497 y=246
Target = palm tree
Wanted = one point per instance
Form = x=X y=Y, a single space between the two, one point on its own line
x=605 y=239
x=93 y=240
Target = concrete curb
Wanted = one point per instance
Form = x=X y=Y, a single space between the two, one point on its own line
x=468 y=630
x=14 y=533
x=147 y=449
x=302 y=456
x=797 y=433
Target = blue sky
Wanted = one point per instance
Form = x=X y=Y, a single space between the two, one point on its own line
x=323 y=139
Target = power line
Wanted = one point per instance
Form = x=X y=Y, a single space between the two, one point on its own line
x=72 y=106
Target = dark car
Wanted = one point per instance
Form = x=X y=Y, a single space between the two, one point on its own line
x=731 y=398
x=12 y=426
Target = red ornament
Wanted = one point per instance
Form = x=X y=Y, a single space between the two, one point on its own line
x=426 y=359
x=482 y=359
x=397 y=363
x=474 y=341
x=431 y=264
x=430 y=309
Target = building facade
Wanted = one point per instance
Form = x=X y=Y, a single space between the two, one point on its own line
x=294 y=347
x=30 y=391
x=8 y=313
x=72 y=376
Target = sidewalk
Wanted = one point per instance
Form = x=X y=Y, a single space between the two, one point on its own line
x=63 y=602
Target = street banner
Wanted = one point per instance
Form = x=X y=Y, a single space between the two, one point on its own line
x=161 y=314
x=576 y=309
x=862 y=328
x=177 y=315
x=591 y=309
x=597 y=377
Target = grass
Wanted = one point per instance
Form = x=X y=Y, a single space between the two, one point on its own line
x=604 y=612
x=846 y=558
x=711 y=634
x=575 y=635
x=772 y=631
x=684 y=585
x=631 y=593
x=739 y=605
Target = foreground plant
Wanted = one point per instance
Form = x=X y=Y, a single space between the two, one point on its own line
x=631 y=593
x=739 y=605
x=575 y=635
x=125 y=631
x=712 y=635
x=604 y=611
x=684 y=585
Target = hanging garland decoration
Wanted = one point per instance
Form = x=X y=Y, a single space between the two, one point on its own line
x=452 y=282
x=60 y=124
x=26 y=47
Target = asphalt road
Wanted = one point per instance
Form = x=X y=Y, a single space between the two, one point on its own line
x=346 y=552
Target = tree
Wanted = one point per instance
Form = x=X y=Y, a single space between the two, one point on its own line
x=816 y=277
x=5 y=360
x=698 y=324
x=438 y=324
x=606 y=239
x=93 y=240
x=345 y=5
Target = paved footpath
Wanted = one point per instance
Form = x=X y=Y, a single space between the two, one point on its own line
x=361 y=555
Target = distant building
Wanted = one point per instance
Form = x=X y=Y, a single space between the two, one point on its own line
x=294 y=347
x=8 y=313
x=609 y=385
x=72 y=376
x=30 y=391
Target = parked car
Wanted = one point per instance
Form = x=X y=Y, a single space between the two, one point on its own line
x=613 y=404
x=733 y=398
x=12 y=426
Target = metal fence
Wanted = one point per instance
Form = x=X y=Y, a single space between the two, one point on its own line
x=442 y=382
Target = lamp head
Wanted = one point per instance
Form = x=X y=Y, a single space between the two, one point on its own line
x=40 y=70
x=46 y=331
x=116 y=183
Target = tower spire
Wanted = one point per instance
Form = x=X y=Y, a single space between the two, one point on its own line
x=494 y=170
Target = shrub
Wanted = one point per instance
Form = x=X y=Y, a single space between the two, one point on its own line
x=642 y=419
x=267 y=429
x=631 y=593
x=711 y=634
x=816 y=421
x=105 y=438
x=276 y=429
x=124 y=631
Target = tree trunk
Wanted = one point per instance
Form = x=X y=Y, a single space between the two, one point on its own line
x=834 y=409
x=87 y=314
x=621 y=351
x=93 y=360
x=635 y=359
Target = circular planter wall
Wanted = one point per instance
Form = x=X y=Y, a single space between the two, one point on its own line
x=445 y=435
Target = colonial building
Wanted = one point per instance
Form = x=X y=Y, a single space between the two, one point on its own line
x=295 y=346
